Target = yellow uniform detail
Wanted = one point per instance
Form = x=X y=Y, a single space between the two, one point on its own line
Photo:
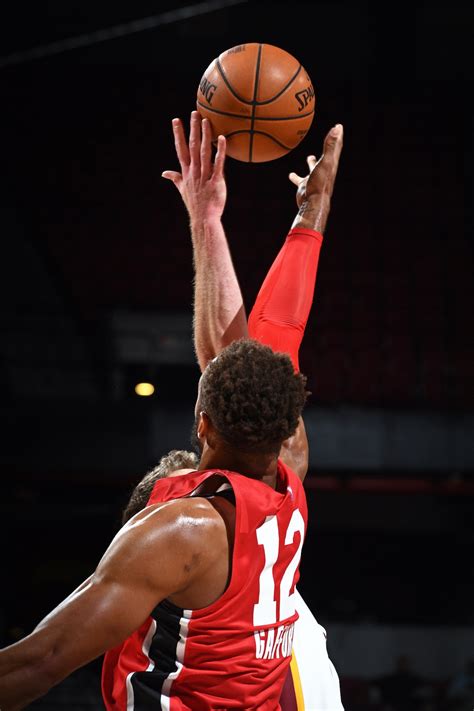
x=297 y=683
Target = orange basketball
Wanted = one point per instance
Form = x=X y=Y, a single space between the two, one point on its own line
x=260 y=98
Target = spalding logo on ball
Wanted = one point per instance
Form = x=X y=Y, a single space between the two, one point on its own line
x=260 y=98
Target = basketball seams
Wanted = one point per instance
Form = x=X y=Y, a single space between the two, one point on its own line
x=282 y=91
x=254 y=79
x=225 y=113
x=260 y=133
x=254 y=100
x=258 y=118
x=229 y=85
x=284 y=118
x=275 y=140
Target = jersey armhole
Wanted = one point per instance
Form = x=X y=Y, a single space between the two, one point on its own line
x=214 y=484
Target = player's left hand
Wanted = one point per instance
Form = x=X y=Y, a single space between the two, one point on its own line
x=300 y=181
x=322 y=173
x=201 y=182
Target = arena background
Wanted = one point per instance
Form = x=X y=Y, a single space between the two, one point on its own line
x=96 y=281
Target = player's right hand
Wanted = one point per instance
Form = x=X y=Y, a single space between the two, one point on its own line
x=201 y=182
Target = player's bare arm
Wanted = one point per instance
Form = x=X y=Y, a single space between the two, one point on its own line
x=219 y=320
x=177 y=550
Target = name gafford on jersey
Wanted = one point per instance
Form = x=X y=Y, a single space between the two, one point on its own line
x=269 y=645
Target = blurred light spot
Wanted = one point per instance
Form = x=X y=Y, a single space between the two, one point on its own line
x=144 y=389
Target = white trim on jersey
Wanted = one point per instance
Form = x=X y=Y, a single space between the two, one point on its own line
x=151 y=665
x=180 y=647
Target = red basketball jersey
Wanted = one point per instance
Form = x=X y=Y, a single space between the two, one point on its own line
x=235 y=653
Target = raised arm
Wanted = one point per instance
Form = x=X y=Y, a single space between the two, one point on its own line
x=282 y=307
x=281 y=310
x=219 y=312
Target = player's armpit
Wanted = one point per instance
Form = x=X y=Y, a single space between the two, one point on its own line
x=295 y=451
x=159 y=553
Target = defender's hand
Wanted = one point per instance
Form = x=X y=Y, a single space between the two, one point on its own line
x=302 y=182
x=201 y=182
x=314 y=191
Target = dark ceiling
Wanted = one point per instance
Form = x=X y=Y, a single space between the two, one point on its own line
x=94 y=237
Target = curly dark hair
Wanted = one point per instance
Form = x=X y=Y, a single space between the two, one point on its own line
x=253 y=396
x=176 y=459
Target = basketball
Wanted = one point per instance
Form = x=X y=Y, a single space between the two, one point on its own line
x=260 y=98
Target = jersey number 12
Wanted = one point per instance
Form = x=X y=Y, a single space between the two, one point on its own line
x=265 y=611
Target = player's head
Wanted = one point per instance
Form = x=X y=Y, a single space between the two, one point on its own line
x=250 y=398
x=174 y=461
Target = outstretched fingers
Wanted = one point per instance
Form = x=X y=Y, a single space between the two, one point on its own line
x=206 y=149
x=195 y=145
x=219 y=160
x=297 y=179
x=180 y=143
x=322 y=178
x=311 y=161
x=181 y=151
x=172 y=175
x=333 y=143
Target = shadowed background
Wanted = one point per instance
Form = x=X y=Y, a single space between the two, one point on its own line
x=96 y=281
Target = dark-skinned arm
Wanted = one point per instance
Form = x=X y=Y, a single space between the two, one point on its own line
x=162 y=551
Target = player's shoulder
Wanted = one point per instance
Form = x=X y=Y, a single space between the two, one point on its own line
x=179 y=510
x=190 y=521
x=185 y=535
